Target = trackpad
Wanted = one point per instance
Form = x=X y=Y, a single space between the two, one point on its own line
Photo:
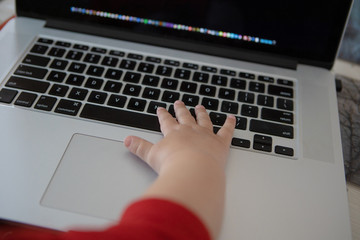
x=97 y=177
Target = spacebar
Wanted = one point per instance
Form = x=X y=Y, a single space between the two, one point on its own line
x=121 y=117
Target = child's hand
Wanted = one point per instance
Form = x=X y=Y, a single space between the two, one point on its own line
x=190 y=161
x=185 y=138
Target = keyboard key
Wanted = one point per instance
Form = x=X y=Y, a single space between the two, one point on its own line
x=33 y=72
x=26 y=99
x=210 y=103
x=111 y=86
x=230 y=107
x=227 y=94
x=92 y=58
x=77 y=67
x=170 y=97
x=28 y=84
x=97 y=97
x=113 y=74
x=135 y=56
x=136 y=104
x=241 y=123
x=68 y=107
x=262 y=147
x=117 y=53
x=207 y=90
x=262 y=139
x=281 y=91
x=172 y=63
x=74 y=55
x=57 y=52
x=81 y=47
x=94 y=83
x=117 y=101
x=63 y=44
x=228 y=72
x=285 y=104
x=277 y=116
x=209 y=69
x=265 y=101
x=7 y=95
x=153 y=59
x=266 y=79
x=132 y=90
x=249 y=111
x=238 y=142
x=110 y=61
x=247 y=75
x=128 y=64
x=219 y=80
x=40 y=49
x=285 y=82
x=146 y=67
x=182 y=74
x=78 y=94
x=188 y=87
x=164 y=71
x=201 y=77
x=56 y=76
x=121 y=117
x=238 y=83
x=36 y=60
x=151 y=80
x=190 y=100
x=95 y=71
x=132 y=77
x=151 y=93
x=153 y=106
x=274 y=129
x=246 y=97
x=45 y=103
x=58 y=90
x=59 y=64
x=45 y=40
x=98 y=50
x=284 y=151
x=169 y=83
x=217 y=118
x=257 y=87
x=76 y=80
x=191 y=66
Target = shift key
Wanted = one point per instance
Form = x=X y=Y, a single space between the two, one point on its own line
x=28 y=84
x=34 y=72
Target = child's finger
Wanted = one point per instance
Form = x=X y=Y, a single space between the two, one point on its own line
x=182 y=113
x=166 y=120
x=227 y=130
x=202 y=117
x=138 y=146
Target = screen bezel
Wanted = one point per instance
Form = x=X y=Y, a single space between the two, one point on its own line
x=36 y=9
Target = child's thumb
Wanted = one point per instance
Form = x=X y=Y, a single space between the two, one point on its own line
x=138 y=146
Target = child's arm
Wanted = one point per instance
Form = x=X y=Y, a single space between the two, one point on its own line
x=190 y=161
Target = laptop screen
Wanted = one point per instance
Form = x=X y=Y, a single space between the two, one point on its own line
x=308 y=31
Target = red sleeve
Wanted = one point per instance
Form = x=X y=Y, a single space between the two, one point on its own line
x=150 y=219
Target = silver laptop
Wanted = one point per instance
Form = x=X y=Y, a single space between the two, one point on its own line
x=77 y=77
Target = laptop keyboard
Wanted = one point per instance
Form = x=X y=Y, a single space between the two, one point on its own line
x=125 y=88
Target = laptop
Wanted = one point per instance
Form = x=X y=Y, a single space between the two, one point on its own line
x=77 y=77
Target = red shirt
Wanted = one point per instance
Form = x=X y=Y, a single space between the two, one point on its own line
x=150 y=219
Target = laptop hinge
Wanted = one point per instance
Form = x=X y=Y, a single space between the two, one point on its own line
x=112 y=32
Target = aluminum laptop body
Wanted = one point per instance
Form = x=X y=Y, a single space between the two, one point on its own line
x=63 y=163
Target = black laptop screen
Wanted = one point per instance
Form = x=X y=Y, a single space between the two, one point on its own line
x=308 y=31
